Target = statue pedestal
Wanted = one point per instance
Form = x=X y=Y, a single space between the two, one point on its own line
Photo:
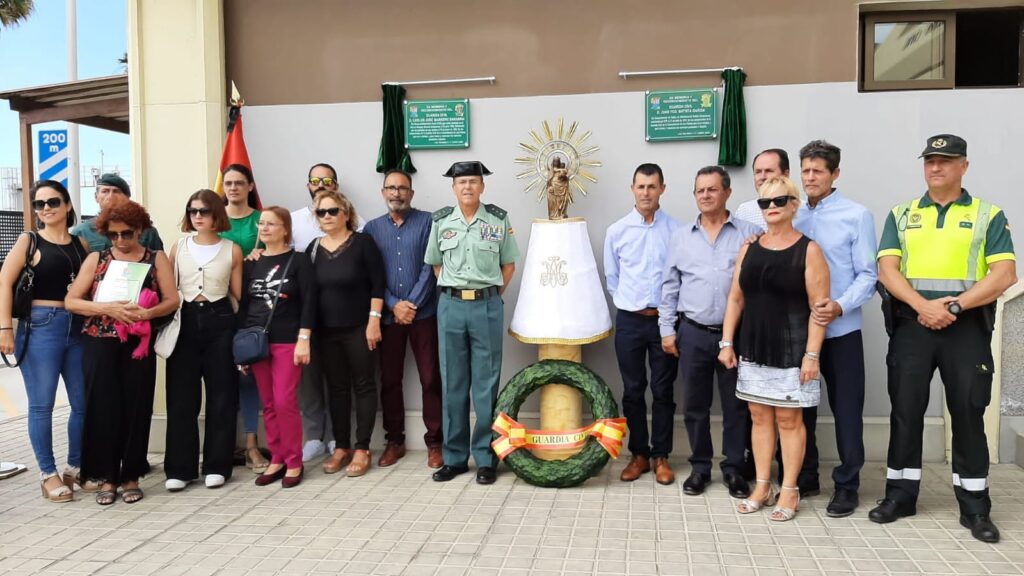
x=561 y=306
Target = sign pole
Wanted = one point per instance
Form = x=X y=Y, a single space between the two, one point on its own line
x=74 y=177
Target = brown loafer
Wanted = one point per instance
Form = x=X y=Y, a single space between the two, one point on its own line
x=360 y=464
x=435 y=457
x=392 y=452
x=338 y=460
x=662 y=471
x=637 y=465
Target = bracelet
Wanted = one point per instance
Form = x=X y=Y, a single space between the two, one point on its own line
x=812 y=355
x=6 y=328
x=376 y=314
x=303 y=337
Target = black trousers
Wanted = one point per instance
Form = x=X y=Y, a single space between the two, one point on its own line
x=699 y=365
x=201 y=357
x=842 y=368
x=119 y=409
x=348 y=365
x=963 y=355
x=637 y=340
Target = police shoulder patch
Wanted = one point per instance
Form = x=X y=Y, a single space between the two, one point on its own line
x=495 y=211
x=437 y=215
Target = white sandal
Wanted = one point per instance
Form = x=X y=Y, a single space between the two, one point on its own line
x=60 y=494
x=748 y=506
x=783 y=514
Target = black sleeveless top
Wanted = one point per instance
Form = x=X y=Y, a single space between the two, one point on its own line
x=58 y=266
x=773 y=329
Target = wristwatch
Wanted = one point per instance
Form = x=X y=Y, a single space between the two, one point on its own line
x=375 y=314
x=954 y=308
x=724 y=344
x=303 y=337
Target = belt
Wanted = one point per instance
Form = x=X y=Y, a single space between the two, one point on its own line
x=644 y=312
x=469 y=293
x=715 y=329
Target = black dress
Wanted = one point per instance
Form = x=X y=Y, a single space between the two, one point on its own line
x=773 y=330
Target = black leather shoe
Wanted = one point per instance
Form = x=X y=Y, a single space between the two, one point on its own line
x=486 y=475
x=695 y=484
x=842 y=504
x=738 y=487
x=981 y=527
x=808 y=490
x=889 y=511
x=446 y=472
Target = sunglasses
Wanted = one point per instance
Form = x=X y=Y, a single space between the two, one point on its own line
x=322 y=212
x=328 y=181
x=48 y=203
x=198 y=211
x=114 y=235
x=778 y=202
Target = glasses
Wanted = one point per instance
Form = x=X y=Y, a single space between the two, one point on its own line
x=322 y=212
x=115 y=235
x=198 y=211
x=48 y=203
x=399 y=189
x=778 y=202
x=328 y=181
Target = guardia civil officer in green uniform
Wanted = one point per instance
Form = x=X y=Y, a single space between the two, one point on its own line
x=473 y=252
x=944 y=258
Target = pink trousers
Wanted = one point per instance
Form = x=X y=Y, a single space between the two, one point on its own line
x=277 y=378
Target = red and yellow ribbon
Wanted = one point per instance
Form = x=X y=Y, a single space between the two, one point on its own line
x=513 y=435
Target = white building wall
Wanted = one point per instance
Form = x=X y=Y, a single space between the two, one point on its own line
x=880 y=134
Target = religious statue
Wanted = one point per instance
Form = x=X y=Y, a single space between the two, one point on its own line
x=557 y=189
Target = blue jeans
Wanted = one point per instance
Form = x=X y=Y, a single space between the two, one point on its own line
x=54 y=350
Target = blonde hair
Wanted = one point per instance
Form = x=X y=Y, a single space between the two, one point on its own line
x=779 y=186
x=342 y=203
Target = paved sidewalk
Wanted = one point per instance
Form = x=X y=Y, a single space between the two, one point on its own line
x=397 y=521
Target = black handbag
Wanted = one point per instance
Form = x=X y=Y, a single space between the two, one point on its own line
x=250 y=345
x=21 y=306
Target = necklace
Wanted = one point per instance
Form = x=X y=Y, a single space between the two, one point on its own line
x=74 y=269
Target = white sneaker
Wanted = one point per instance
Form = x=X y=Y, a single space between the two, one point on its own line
x=214 y=480
x=312 y=449
x=175 y=485
x=330 y=447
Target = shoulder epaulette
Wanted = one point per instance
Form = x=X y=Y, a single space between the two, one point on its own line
x=496 y=211
x=443 y=212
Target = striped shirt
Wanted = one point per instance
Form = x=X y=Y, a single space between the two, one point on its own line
x=403 y=248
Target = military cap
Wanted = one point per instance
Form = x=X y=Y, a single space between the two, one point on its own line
x=945 y=145
x=472 y=168
x=111 y=179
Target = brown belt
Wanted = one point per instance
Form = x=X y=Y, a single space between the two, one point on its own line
x=647 y=312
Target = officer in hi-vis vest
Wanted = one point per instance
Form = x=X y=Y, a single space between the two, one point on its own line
x=945 y=258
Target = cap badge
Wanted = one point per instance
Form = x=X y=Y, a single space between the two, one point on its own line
x=939 y=143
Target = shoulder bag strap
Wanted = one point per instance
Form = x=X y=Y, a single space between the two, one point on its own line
x=280 y=289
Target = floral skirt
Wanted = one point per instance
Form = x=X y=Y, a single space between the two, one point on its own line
x=776 y=386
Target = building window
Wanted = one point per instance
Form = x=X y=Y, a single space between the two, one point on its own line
x=935 y=50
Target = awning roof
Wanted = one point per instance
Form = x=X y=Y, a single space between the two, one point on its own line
x=97 y=102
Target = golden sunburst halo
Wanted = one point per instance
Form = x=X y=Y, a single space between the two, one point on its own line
x=558 y=142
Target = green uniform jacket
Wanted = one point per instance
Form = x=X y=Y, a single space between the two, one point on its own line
x=471 y=253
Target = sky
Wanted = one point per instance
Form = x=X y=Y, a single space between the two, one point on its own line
x=35 y=53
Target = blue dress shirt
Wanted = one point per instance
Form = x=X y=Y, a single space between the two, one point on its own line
x=845 y=231
x=403 y=248
x=634 y=259
x=698 y=273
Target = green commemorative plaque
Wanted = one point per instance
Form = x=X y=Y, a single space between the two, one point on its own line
x=436 y=124
x=681 y=114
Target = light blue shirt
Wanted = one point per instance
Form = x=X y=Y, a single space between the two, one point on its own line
x=845 y=231
x=634 y=259
x=698 y=273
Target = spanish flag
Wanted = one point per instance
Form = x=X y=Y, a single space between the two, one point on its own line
x=235 y=153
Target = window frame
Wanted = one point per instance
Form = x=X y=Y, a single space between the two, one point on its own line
x=868 y=22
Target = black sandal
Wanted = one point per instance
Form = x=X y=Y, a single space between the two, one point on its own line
x=106 y=497
x=131 y=495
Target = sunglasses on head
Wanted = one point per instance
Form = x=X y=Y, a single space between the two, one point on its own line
x=198 y=211
x=321 y=212
x=778 y=202
x=49 y=202
x=328 y=181
x=114 y=235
